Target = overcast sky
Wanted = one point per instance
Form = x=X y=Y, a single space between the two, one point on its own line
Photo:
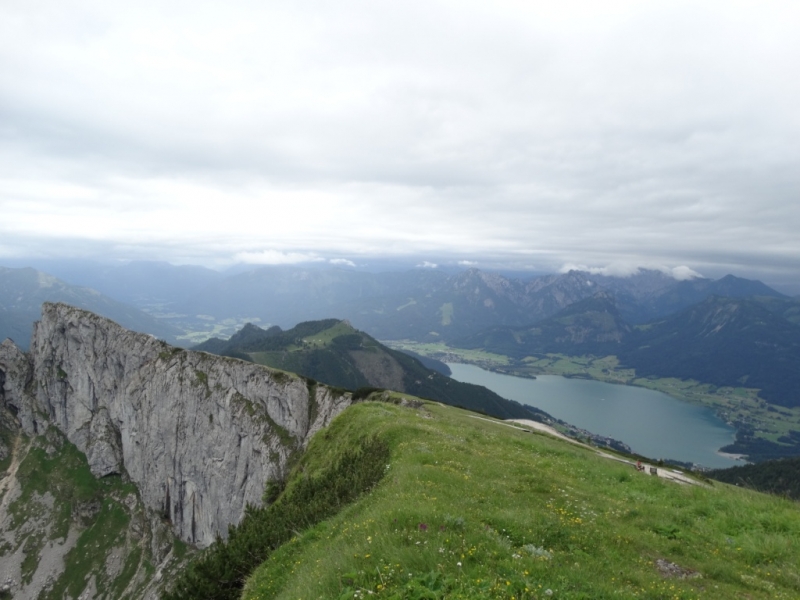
x=529 y=134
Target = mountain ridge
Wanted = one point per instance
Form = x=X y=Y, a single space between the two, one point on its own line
x=334 y=352
x=425 y=305
x=723 y=341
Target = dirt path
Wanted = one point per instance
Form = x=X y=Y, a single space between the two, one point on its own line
x=647 y=469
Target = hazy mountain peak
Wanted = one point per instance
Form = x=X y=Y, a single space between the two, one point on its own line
x=45 y=280
x=22 y=292
x=731 y=285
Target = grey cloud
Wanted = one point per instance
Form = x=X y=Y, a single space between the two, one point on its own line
x=661 y=133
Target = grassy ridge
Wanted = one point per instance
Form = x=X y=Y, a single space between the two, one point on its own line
x=475 y=509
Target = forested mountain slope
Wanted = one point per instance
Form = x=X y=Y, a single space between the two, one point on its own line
x=335 y=353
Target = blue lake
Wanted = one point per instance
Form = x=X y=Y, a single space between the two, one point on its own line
x=651 y=423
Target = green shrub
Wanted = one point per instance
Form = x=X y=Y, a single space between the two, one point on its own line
x=221 y=570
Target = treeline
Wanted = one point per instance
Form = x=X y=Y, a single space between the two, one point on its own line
x=780 y=477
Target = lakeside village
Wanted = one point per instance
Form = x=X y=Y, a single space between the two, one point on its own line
x=600 y=441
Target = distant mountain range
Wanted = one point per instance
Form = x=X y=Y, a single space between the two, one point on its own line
x=143 y=284
x=419 y=304
x=589 y=326
x=722 y=341
x=22 y=292
x=725 y=332
x=335 y=353
x=426 y=305
x=730 y=331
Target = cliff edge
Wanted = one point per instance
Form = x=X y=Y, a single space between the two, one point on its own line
x=199 y=435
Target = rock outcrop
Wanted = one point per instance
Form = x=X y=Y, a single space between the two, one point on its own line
x=199 y=435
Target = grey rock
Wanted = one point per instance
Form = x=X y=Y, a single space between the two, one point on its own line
x=200 y=435
x=15 y=376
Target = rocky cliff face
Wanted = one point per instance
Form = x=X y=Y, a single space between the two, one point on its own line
x=199 y=435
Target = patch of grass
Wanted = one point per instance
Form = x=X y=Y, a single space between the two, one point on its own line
x=281 y=377
x=128 y=571
x=89 y=555
x=326 y=337
x=202 y=378
x=7 y=439
x=64 y=474
x=473 y=509
x=447 y=313
x=59 y=493
x=313 y=407
x=180 y=548
x=169 y=352
x=257 y=412
x=286 y=438
x=32 y=548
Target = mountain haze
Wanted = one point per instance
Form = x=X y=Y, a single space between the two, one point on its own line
x=589 y=326
x=418 y=304
x=724 y=341
x=22 y=292
x=143 y=284
x=431 y=305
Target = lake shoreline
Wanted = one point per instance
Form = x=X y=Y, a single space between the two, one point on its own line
x=651 y=422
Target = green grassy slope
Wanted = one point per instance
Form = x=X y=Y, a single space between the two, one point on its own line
x=469 y=508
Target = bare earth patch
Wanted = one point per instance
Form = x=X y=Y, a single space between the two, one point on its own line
x=673 y=571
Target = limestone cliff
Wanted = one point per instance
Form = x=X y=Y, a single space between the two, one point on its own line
x=199 y=435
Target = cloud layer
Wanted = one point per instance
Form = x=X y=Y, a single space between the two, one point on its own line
x=531 y=133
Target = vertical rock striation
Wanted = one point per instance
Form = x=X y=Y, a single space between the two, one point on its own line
x=200 y=435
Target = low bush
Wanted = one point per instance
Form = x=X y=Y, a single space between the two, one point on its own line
x=219 y=573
